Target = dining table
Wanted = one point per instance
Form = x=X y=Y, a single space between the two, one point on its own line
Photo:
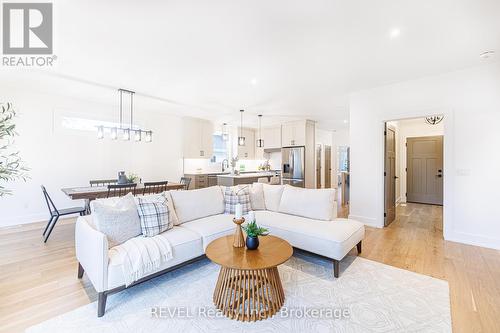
x=89 y=193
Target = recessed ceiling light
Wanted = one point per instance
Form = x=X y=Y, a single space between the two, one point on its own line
x=487 y=54
x=346 y=121
x=253 y=81
x=395 y=33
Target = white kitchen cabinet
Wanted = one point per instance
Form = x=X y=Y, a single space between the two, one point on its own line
x=293 y=133
x=247 y=152
x=272 y=140
x=272 y=137
x=197 y=138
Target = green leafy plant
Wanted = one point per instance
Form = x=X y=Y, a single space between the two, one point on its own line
x=253 y=230
x=132 y=178
x=11 y=165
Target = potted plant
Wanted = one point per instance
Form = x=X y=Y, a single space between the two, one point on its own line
x=11 y=165
x=253 y=232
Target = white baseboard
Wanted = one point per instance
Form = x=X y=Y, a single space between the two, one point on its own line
x=27 y=219
x=369 y=221
x=471 y=239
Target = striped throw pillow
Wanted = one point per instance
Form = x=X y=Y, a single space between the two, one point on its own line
x=234 y=196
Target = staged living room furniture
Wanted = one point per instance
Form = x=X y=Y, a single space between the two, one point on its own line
x=249 y=286
x=305 y=218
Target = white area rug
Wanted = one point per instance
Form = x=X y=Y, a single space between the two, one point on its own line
x=376 y=298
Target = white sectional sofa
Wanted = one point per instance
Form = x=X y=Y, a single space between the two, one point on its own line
x=305 y=218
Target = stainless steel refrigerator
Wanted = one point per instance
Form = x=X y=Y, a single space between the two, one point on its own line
x=292 y=171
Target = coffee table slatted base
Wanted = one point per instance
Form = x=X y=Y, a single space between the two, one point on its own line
x=249 y=295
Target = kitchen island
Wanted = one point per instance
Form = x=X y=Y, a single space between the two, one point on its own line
x=244 y=178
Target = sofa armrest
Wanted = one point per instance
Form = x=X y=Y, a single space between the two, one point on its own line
x=92 y=252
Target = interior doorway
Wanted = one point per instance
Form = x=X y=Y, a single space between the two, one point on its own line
x=413 y=164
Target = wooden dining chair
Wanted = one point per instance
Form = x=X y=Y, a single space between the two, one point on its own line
x=154 y=187
x=102 y=182
x=185 y=181
x=56 y=213
x=119 y=190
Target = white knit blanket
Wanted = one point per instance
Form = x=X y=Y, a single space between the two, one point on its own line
x=142 y=256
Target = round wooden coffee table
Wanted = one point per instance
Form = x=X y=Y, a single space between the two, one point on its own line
x=249 y=286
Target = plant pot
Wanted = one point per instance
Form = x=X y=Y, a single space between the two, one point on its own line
x=252 y=243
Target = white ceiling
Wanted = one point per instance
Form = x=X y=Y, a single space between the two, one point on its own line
x=200 y=57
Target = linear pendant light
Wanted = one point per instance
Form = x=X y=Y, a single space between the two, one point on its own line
x=126 y=132
x=241 y=138
x=260 y=141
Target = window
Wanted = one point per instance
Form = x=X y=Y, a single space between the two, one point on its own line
x=220 y=148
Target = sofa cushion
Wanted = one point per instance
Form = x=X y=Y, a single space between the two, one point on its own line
x=257 y=196
x=117 y=219
x=195 y=204
x=153 y=215
x=185 y=244
x=234 y=196
x=272 y=196
x=172 y=216
x=212 y=227
x=311 y=203
x=333 y=239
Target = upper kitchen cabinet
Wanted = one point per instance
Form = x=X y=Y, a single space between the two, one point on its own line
x=272 y=140
x=247 y=152
x=272 y=137
x=295 y=133
x=197 y=138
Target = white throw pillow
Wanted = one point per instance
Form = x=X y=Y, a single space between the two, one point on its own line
x=196 y=204
x=315 y=204
x=272 y=196
x=117 y=219
x=257 y=197
x=172 y=216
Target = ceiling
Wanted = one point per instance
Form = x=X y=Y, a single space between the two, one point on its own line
x=282 y=58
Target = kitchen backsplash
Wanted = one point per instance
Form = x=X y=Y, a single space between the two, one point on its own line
x=199 y=165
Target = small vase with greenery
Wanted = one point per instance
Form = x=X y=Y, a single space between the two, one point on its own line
x=253 y=232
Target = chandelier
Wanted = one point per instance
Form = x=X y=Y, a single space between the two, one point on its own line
x=126 y=131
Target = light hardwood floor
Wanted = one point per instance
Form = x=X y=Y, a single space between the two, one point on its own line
x=38 y=281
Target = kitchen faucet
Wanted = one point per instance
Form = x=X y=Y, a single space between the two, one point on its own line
x=225 y=165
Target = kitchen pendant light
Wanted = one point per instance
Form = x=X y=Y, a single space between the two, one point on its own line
x=241 y=138
x=260 y=141
x=125 y=132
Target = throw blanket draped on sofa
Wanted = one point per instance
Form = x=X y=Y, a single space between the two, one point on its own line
x=142 y=256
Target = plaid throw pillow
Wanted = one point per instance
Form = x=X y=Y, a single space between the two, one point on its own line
x=154 y=216
x=234 y=196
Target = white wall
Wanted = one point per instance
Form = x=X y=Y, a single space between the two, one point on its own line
x=470 y=101
x=59 y=157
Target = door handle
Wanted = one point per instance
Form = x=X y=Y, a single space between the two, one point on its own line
x=439 y=176
x=396 y=177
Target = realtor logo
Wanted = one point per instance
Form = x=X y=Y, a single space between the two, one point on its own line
x=27 y=28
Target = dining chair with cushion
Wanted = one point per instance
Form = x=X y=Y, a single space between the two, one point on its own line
x=185 y=181
x=56 y=213
x=154 y=187
x=102 y=182
x=119 y=190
